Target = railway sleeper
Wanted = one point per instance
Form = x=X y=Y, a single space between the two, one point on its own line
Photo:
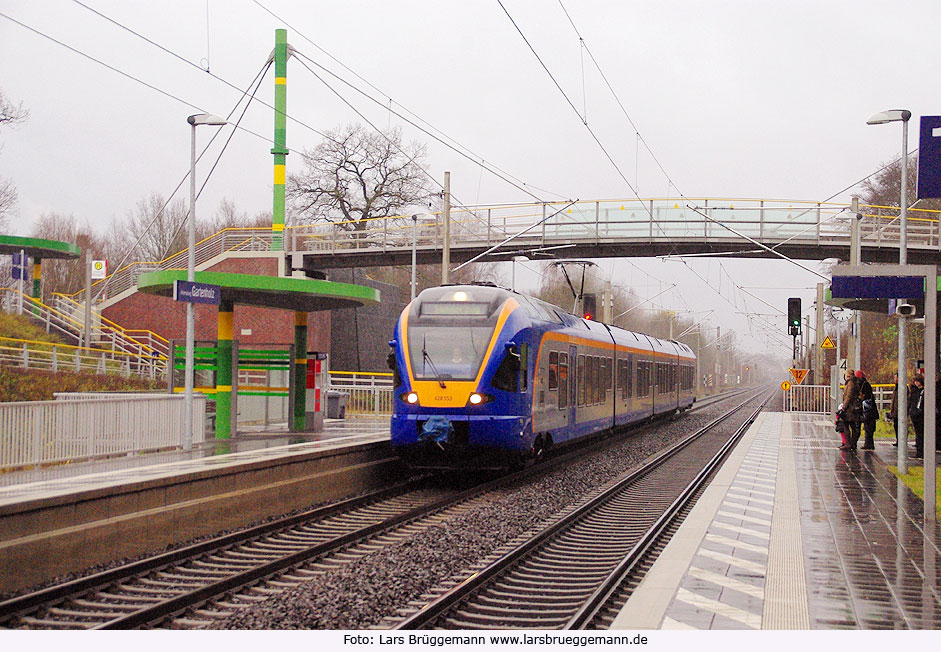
x=533 y=603
x=103 y=606
x=470 y=621
x=83 y=615
x=552 y=565
x=573 y=577
x=515 y=612
x=42 y=623
x=139 y=597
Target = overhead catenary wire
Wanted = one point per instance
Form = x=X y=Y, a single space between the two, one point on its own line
x=258 y=78
x=518 y=185
x=442 y=137
x=591 y=131
x=617 y=99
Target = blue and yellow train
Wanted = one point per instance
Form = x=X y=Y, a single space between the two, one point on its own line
x=489 y=378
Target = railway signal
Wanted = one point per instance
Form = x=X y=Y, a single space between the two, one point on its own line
x=794 y=316
x=589 y=306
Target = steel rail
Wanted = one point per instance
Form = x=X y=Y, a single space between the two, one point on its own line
x=430 y=612
x=616 y=578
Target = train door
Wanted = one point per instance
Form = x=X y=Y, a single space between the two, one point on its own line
x=652 y=386
x=572 y=389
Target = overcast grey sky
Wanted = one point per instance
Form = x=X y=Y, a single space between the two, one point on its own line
x=735 y=99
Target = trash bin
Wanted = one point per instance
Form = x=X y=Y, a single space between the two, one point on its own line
x=336 y=404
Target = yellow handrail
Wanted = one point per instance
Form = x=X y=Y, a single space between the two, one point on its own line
x=57 y=345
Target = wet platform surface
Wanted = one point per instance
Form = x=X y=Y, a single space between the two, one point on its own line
x=796 y=534
x=244 y=448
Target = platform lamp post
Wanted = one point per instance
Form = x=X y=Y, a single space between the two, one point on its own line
x=195 y=121
x=903 y=116
x=414 y=250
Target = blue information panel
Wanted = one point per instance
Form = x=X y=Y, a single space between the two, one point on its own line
x=929 y=157
x=877 y=287
x=197 y=292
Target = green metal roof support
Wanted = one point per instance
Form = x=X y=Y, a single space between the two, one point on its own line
x=280 y=149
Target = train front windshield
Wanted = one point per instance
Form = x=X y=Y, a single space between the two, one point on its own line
x=449 y=330
x=447 y=353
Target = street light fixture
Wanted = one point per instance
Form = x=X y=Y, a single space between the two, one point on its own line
x=195 y=121
x=903 y=116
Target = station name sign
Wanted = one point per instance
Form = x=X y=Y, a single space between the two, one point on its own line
x=197 y=292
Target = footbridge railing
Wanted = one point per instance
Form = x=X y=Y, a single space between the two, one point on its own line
x=673 y=220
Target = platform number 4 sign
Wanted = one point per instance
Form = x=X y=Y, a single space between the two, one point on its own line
x=842 y=365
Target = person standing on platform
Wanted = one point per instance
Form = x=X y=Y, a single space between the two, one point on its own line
x=893 y=413
x=851 y=409
x=916 y=411
x=870 y=412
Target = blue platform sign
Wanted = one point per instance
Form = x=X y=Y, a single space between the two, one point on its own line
x=877 y=287
x=929 y=158
x=197 y=292
x=19 y=267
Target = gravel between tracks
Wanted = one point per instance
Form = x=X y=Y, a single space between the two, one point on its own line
x=359 y=595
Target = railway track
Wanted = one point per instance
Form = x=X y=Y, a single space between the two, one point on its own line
x=200 y=584
x=579 y=570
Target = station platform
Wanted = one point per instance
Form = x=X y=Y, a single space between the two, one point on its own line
x=794 y=533
x=256 y=443
x=76 y=516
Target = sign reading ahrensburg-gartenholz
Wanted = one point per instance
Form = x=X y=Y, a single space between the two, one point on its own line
x=196 y=292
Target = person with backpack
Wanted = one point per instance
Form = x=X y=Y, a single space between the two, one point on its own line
x=851 y=409
x=870 y=411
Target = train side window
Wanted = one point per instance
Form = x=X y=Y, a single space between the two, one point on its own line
x=580 y=379
x=622 y=378
x=563 y=380
x=553 y=370
x=524 y=367
x=630 y=378
x=643 y=379
x=508 y=373
x=595 y=379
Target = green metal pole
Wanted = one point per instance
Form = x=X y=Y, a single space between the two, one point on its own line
x=224 y=371
x=299 y=399
x=280 y=149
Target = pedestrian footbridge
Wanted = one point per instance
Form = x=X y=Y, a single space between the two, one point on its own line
x=624 y=228
x=759 y=228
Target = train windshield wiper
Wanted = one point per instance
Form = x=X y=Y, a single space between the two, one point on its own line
x=426 y=357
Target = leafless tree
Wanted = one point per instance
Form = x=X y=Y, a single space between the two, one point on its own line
x=10 y=115
x=355 y=175
x=160 y=226
x=884 y=188
x=64 y=275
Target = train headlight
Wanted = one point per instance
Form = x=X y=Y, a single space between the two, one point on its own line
x=411 y=398
x=479 y=399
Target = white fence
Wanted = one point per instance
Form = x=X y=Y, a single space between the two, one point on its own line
x=807 y=398
x=82 y=426
x=367 y=394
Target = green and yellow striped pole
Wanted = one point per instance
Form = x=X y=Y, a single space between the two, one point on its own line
x=279 y=150
x=37 y=281
x=224 y=371
x=37 y=278
x=299 y=400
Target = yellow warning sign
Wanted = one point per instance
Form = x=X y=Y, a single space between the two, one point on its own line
x=785 y=385
x=799 y=375
x=827 y=343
